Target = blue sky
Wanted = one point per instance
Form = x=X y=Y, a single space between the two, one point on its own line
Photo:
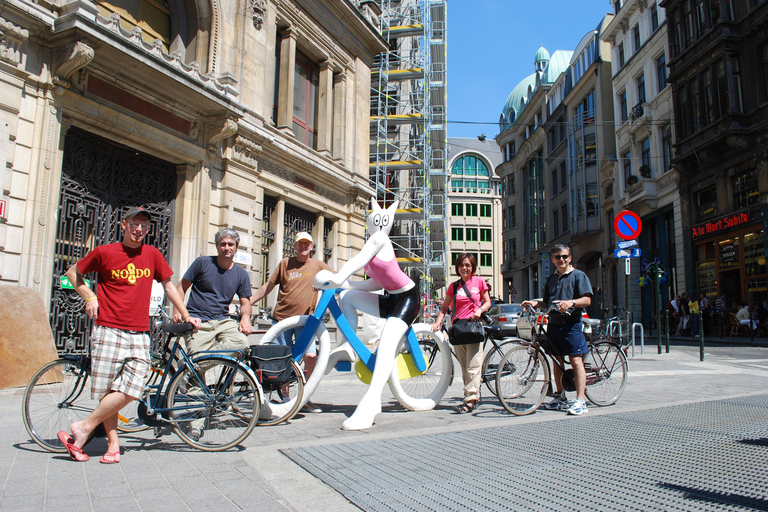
x=491 y=45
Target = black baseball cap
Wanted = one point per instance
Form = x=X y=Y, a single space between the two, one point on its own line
x=136 y=210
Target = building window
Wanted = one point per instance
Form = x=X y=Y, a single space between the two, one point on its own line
x=764 y=54
x=641 y=88
x=485 y=210
x=661 y=72
x=666 y=146
x=469 y=165
x=593 y=199
x=745 y=189
x=683 y=117
x=555 y=189
x=486 y=235
x=512 y=249
x=709 y=97
x=626 y=163
x=564 y=217
x=486 y=259
x=621 y=55
x=457 y=234
x=512 y=217
x=706 y=203
x=645 y=158
x=654 y=17
x=736 y=71
x=471 y=210
x=555 y=223
x=636 y=37
x=471 y=234
x=580 y=200
x=511 y=187
x=563 y=176
x=305 y=87
x=623 y=114
x=457 y=209
x=722 y=89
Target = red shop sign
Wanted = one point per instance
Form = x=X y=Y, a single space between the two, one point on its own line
x=718 y=226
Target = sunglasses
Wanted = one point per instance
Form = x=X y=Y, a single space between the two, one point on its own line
x=561 y=256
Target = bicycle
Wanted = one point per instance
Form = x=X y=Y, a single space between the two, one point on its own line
x=419 y=379
x=617 y=328
x=523 y=378
x=224 y=399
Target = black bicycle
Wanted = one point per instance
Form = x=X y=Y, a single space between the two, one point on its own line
x=523 y=378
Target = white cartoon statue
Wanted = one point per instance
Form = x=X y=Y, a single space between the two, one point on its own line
x=399 y=305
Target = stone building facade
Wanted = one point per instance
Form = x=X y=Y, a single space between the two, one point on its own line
x=251 y=114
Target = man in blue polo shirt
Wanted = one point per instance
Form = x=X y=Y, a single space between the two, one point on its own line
x=215 y=280
x=570 y=291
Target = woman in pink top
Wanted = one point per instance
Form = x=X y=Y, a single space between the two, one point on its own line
x=470 y=308
x=399 y=304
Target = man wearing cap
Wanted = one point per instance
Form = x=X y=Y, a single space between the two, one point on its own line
x=120 y=362
x=297 y=295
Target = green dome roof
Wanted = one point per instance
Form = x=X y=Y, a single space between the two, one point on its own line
x=518 y=98
x=541 y=54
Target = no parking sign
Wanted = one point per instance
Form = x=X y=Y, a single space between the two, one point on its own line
x=627 y=225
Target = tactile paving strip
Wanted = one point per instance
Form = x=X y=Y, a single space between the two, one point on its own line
x=704 y=456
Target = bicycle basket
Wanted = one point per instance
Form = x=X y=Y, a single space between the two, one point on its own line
x=271 y=363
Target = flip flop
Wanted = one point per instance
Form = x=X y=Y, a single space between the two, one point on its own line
x=110 y=458
x=75 y=453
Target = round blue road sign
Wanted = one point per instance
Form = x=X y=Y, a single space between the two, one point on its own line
x=627 y=225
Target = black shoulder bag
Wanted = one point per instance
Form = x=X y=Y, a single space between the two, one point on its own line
x=464 y=331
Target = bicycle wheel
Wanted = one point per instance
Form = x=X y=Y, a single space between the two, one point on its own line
x=224 y=411
x=283 y=402
x=607 y=373
x=323 y=350
x=57 y=395
x=423 y=392
x=522 y=380
x=491 y=363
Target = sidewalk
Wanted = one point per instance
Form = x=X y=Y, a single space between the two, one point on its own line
x=260 y=476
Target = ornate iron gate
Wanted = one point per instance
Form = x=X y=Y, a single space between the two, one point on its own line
x=99 y=181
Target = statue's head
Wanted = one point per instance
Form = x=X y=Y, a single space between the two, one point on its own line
x=381 y=219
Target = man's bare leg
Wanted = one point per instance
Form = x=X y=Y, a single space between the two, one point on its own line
x=105 y=413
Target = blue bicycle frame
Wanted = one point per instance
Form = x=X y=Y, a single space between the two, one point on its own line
x=328 y=302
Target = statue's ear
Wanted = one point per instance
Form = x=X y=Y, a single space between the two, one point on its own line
x=374 y=206
x=392 y=210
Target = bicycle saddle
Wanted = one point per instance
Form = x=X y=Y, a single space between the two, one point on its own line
x=182 y=328
x=590 y=321
x=492 y=330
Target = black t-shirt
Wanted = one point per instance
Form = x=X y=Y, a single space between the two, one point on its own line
x=568 y=286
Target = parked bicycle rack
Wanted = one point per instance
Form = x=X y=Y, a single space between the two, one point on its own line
x=635 y=327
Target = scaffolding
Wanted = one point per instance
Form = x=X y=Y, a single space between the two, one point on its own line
x=408 y=136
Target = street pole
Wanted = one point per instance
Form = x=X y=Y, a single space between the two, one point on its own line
x=627 y=268
x=657 y=278
x=701 y=337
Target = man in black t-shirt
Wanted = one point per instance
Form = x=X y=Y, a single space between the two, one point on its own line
x=569 y=291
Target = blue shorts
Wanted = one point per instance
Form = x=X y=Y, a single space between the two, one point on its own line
x=568 y=339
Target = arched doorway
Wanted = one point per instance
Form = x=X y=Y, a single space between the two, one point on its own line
x=100 y=179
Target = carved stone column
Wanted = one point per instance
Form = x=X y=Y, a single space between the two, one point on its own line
x=339 y=115
x=286 y=80
x=325 y=108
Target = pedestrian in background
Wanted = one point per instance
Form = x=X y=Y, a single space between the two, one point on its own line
x=695 y=312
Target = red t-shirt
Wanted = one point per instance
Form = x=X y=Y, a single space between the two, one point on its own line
x=125 y=283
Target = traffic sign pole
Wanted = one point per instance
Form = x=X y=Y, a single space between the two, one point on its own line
x=627 y=268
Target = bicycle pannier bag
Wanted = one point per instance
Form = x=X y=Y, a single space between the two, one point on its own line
x=464 y=332
x=271 y=363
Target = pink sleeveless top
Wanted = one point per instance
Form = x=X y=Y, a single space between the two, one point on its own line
x=387 y=273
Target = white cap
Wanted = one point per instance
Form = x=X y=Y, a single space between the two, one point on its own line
x=303 y=235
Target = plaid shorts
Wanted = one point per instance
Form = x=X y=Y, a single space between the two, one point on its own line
x=119 y=361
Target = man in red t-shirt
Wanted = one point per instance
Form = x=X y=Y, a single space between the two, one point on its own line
x=120 y=362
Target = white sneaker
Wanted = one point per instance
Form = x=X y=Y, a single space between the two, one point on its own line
x=578 y=407
x=559 y=403
x=312 y=408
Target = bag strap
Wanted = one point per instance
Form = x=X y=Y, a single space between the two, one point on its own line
x=455 y=289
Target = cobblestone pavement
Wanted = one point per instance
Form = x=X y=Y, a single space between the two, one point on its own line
x=259 y=476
